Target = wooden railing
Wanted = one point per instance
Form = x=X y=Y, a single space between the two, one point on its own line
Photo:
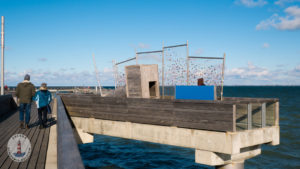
x=253 y=113
x=68 y=156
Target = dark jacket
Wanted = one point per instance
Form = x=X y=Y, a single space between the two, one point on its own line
x=25 y=91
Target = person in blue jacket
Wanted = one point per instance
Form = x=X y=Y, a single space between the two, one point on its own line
x=43 y=98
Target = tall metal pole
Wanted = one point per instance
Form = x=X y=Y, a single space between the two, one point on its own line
x=187 y=63
x=163 y=71
x=223 y=69
x=2 y=55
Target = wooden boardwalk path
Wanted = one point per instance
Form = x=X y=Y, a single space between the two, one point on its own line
x=39 y=139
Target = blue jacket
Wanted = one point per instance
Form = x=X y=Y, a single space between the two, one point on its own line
x=42 y=98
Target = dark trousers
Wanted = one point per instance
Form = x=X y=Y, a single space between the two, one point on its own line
x=25 y=109
x=43 y=115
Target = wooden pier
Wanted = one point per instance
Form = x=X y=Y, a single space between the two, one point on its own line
x=223 y=133
x=38 y=137
x=43 y=153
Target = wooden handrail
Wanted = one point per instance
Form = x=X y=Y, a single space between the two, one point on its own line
x=68 y=156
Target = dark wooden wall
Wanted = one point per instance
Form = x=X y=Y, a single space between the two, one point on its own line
x=203 y=115
x=7 y=105
x=134 y=83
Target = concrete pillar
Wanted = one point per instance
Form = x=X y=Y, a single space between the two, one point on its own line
x=234 y=165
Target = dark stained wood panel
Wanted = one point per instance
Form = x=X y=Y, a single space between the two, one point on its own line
x=192 y=114
x=133 y=77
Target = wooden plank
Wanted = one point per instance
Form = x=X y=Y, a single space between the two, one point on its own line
x=277 y=114
x=67 y=148
x=263 y=115
x=36 y=150
x=25 y=164
x=4 y=157
x=43 y=150
x=8 y=125
x=3 y=149
x=15 y=164
x=249 y=116
x=234 y=118
x=33 y=138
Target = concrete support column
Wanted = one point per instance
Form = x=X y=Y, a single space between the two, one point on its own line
x=234 y=165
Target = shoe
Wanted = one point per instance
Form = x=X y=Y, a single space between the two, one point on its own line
x=27 y=126
x=21 y=125
x=41 y=127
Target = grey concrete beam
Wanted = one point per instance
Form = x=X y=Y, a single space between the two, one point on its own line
x=216 y=159
x=219 y=142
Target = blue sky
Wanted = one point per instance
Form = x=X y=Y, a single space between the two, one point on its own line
x=54 y=40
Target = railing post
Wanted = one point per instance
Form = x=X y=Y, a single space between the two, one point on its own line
x=249 y=116
x=234 y=118
x=277 y=114
x=263 y=115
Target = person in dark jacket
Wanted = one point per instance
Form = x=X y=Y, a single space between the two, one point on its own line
x=43 y=98
x=24 y=92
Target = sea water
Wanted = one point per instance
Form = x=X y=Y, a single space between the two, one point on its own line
x=112 y=152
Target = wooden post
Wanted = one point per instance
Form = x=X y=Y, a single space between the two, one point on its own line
x=223 y=69
x=234 y=118
x=249 y=116
x=277 y=114
x=263 y=115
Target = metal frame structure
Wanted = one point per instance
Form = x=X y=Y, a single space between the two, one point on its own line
x=187 y=62
x=163 y=64
x=223 y=67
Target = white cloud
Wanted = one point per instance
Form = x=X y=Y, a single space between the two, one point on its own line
x=255 y=75
x=249 y=71
x=290 y=22
x=251 y=3
x=283 y=2
x=266 y=45
x=54 y=78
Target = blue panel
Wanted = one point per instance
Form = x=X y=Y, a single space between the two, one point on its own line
x=195 y=92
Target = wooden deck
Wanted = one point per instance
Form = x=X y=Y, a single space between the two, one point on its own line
x=39 y=139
